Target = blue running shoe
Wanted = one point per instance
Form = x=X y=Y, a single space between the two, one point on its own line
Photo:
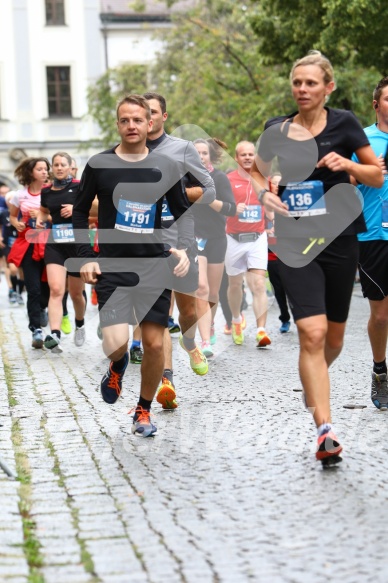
x=285 y=327
x=111 y=383
x=173 y=327
x=142 y=425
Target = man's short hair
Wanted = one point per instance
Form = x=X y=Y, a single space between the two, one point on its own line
x=135 y=99
x=379 y=88
x=162 y=102
x=240 y=144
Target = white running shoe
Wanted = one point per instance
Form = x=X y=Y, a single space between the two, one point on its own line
x=79 y=336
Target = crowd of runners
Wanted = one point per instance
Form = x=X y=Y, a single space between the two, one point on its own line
x=154 y=222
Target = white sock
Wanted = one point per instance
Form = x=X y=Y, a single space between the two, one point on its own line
x=324 y=428
x=237 y=320
x=260 y=329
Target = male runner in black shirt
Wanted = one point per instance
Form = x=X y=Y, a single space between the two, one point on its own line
x=132 y=270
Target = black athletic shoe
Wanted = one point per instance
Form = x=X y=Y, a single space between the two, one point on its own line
x=136 y=355
x=111 y=383
x=379 y=391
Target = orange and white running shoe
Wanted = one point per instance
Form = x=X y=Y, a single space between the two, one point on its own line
x=328 y=449
x=262 y=339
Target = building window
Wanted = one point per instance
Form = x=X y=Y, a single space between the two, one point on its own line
x=58 y=91
x=55 y=12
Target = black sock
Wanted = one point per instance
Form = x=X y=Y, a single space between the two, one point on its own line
x=64 y=303
x=14 y=281
x=380 y=367
x=57 y=332
x=119 y=365
x=168 y=374
x=144 y=403
x=79 y=323
x=21 y=285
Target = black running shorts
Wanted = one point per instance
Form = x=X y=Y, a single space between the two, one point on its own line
x=215 y=250
x=131 y=304
x=58 y=253
x=325 y=285
x=373 y=269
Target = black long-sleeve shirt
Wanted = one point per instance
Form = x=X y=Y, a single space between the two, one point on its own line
x=123 y=188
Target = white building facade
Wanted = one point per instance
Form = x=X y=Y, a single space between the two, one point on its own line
x=50 y=52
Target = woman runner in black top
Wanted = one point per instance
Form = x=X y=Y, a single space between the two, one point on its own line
x=57 y=201
x=209 y=228
x=318 y=252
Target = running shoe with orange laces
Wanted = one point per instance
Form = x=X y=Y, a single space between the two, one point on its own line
x=198 y=361
x=262 y=339
x=142 y=425
x=111 y=383
x=328 y=448
x=166 y=394
x=237 y=333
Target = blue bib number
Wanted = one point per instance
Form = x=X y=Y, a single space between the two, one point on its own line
x=166 y=213
x=251 y=214
x=135 y=217
x=32 y=223
x=302 y=196
x=384 y=213
x=63 y=233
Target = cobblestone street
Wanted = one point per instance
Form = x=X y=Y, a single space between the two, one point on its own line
x=228 y=491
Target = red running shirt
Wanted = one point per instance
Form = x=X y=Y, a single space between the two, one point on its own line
x=243 y=192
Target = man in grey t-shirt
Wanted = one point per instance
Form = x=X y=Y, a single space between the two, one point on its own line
x=199 y=189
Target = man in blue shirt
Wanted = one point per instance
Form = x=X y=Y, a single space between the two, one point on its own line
x=373 y=263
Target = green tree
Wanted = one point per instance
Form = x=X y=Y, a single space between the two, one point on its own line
x=213 y=76
x=225 y=64
x=351 y=33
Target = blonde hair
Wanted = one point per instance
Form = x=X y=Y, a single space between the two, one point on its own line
x=316 y=58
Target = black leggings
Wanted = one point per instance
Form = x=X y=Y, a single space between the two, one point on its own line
x=280 y=294
x=37 y=290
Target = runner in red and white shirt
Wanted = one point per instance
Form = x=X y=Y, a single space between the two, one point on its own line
x=247 y=251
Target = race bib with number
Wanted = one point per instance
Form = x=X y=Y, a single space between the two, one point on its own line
x=32 y=223
x=135 y=217
x=384 y=213
x=63 y=233
x=302 y=196
x=167 y=216
x=251 y=214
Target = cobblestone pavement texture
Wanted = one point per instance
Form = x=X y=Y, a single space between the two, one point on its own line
x=228 y=491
